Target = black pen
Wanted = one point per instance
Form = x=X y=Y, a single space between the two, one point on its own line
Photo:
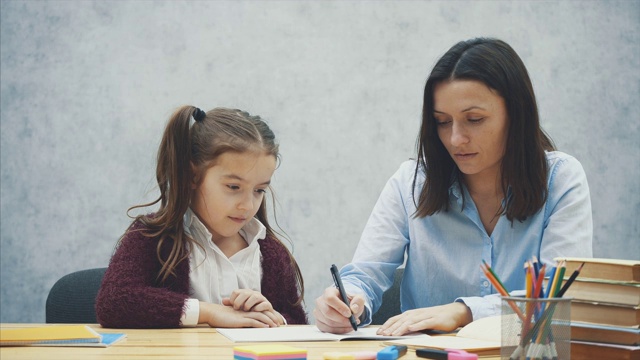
x=448 y=354
x=343 y=294
x=432 y=354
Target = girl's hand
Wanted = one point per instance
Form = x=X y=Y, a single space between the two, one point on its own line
x=332 y=314
x=250 y=300
x=247 y=300
x=216 y=315
x=444 y=317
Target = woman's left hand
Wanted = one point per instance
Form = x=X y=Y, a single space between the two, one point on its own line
x=444 y=317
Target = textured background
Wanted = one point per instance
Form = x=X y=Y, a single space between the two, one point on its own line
x=88 y=86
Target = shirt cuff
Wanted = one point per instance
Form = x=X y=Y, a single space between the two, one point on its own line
x=490 y=305
x=191 y=313
x=365 y=317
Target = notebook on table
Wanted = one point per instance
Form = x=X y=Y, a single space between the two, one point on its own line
x=58 y=335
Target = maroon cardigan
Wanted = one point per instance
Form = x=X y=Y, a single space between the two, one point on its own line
x=130 y=296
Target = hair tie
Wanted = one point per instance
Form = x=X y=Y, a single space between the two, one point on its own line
x=198 y=114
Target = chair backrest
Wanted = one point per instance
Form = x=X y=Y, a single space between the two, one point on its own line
x=72 y=298
x=390 y=300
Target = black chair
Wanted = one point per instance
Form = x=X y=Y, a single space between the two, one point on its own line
x=390 y=300
x=72 y=298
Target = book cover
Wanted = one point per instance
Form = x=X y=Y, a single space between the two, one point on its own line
x=606 y=269
x=49 y=335
x=597 y=351
x=482 y=337
x=605 y=333
x=108 y=339
x=603 y=313
x=606 y=291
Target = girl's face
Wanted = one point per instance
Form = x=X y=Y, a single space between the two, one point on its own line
x=472 y=124
x=231 y=191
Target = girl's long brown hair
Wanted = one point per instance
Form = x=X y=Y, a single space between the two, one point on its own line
x=524 y=166
x=186 y=143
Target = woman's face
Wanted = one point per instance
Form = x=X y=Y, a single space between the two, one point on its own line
x=472 y=124
x=231 y=191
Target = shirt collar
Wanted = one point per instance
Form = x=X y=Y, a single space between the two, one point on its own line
x=251 y=231
x=454 y=190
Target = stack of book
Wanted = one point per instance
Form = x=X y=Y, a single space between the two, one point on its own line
x=605 y=309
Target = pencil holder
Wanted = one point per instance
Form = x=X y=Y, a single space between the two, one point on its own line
x=536 y=328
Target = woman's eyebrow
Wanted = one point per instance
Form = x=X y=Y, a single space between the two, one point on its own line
x=474 y=107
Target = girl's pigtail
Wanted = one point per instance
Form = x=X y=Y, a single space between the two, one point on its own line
x=173 y=172
x=175 y=177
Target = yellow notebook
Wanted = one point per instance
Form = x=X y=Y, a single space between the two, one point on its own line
x=49 y=335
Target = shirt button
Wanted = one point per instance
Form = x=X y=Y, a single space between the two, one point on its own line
x=485 y=283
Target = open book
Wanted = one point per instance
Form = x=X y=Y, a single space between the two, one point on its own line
x=58 y=335
x=481 y=337
x=303 y=333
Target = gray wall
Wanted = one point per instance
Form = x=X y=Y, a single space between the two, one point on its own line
x=87 y=87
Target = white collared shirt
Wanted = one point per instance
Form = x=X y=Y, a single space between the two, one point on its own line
x=213 y=275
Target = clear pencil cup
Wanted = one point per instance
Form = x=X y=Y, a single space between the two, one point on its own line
x=536 y=329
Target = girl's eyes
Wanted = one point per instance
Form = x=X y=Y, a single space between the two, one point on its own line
x=236 y=188
x=475 y=120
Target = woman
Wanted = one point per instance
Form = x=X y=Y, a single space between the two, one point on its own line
x=487 y=185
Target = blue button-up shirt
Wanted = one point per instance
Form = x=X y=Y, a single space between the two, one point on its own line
x=444 y=251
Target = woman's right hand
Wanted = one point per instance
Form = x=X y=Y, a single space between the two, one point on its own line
x=223 y=316
x=332 y=314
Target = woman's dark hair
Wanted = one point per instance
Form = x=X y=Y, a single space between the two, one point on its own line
x=187 y=150
x=524 y=167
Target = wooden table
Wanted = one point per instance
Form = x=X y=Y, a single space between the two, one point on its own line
x=187 y=343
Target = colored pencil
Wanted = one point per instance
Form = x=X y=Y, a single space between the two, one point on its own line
x=528 y=279
x=552 y=274
x=494 y=275
x=557 y=283
x=573 y=276
x=498 y=285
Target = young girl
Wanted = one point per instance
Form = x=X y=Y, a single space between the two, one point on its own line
x=208 y=255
